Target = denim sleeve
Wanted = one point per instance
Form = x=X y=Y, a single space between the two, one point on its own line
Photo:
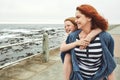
x=111 y=45
x=68 y=39
x=67 y=42
x=109 y=42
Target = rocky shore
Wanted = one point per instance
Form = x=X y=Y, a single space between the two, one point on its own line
x=16 y=44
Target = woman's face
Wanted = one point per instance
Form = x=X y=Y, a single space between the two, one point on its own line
x=81 y=20
x=69 y=26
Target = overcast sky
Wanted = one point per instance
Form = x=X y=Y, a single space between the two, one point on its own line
x=53 y=11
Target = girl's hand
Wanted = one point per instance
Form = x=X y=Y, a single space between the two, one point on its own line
x=83 y=43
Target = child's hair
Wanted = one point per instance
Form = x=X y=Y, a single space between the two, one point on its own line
x=72 y=20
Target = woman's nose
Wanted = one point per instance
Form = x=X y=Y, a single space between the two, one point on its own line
x=76 y=20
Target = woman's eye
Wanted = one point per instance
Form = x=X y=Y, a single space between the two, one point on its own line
x=68 y=25
x=77 y=17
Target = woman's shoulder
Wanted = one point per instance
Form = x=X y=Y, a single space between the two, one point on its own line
x=105 y=34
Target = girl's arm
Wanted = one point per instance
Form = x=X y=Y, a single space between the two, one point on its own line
x=65 y=47
x=82 y=42
x=90 y=37
x=92 y=34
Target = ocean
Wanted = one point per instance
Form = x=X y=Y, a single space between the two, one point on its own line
x=18 y=41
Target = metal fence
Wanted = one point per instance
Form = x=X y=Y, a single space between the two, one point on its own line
x=11 y=54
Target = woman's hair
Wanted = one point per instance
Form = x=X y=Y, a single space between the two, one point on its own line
x=97 y=19
x=72 y=20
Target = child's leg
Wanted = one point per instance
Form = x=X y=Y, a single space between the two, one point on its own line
x=67 y=67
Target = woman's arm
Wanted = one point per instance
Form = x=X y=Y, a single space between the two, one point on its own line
x=111 y=49
x=111 y=76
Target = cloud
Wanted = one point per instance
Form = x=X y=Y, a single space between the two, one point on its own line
x=54 y=10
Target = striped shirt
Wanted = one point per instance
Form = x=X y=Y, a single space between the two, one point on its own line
x=89 y=59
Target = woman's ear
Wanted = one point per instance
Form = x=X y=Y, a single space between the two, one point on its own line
x=89 y=19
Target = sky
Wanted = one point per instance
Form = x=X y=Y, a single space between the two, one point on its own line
x=53 y=11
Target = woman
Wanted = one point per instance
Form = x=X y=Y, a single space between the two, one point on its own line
x=96 y=61
x=71 y=26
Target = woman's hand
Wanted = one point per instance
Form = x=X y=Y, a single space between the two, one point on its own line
x=111 y=76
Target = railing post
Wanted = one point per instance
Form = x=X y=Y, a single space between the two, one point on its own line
x=45 y=47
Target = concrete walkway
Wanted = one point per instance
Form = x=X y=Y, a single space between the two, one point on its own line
x=34 y=69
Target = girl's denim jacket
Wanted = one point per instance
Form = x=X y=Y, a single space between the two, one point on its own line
x=108 y=64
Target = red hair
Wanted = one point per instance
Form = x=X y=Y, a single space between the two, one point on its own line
x=97 y=19
x=72 y=20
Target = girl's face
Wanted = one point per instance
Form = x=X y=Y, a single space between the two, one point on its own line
x=81 y=20
x=69 y=26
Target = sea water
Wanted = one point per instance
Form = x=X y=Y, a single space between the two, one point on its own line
x=28 y=38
